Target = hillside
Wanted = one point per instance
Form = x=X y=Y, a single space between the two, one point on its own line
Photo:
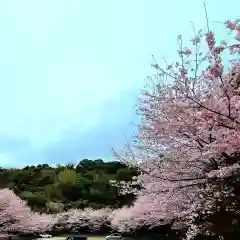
x=50 y=189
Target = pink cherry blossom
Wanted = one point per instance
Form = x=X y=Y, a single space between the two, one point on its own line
x=187 y=138
x=16 y=216
x=83 y=218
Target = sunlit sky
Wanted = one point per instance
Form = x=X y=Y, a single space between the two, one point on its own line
x=71 y=71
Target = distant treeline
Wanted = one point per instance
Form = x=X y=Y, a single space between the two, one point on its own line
x=50 y=189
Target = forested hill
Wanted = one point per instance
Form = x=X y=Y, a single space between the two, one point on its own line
x=48 y=189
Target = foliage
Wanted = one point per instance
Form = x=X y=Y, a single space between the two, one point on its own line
x=48 y=189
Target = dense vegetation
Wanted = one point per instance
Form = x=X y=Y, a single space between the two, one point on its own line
x=49 y=189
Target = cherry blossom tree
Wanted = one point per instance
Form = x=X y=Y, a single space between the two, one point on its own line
x=144 y=212
x=17 y=217
x=87 y=218
x=188 y=142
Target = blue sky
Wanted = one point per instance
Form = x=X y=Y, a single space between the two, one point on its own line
x=71 y=71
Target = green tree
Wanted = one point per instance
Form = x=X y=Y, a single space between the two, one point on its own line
x=36 y=201
x=67 y=176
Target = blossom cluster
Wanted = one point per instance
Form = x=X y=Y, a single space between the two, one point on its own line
x=16 y=216
x=189 y=135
